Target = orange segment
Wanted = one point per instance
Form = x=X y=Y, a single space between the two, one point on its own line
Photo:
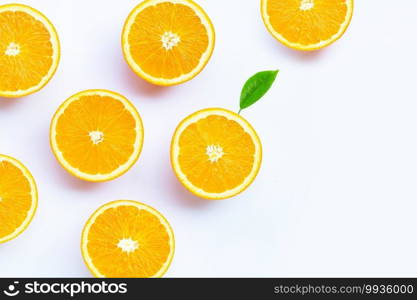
x=18 y=198
x=168 y=42
x=127 y=239
x=29 y=50
x=307 y=24
x=215 y=153
x=97 y=135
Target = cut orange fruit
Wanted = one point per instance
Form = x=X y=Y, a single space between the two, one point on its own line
x=168 y=42
x=97 y=135
x=127 y=239
x=307 y=24
x=18 y=198
x=29 y=50
x=215 y=153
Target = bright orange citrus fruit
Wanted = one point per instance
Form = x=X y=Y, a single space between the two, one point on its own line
x=126 y=239
x=18 y=198
x=215 y=153
x=168 y=42
x=307 y=24
x=29 y=50
x=97 y=135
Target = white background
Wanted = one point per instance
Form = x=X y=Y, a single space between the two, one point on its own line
x=336 y=195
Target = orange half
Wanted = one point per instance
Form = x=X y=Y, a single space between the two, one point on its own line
x=215 y=153
x=29 y=50
x=125 y=239
x=168 y=42
x=97 y=135
x=18 y=198
x=307 y=24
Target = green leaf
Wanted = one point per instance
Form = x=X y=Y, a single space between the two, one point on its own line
x=256 y=87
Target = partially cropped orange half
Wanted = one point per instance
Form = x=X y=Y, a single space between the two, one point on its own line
x=307 y=24
x=97 y=135
x=168 y=42
x=29 y=50
x=125 y=239
x=215 y=153
x=18 y=198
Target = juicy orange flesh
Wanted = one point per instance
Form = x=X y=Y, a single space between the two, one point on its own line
x=145 y=40
x=19 y=30
x=90 y=114
x=15 y=198
x=128 y=222
x=227 y=172
x=310 y=26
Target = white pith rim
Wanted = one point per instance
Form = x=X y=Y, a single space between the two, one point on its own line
x=121 y=169
x=205 y=20
x=282 y=39
x=55 y=46
x=115 y=204
x=34 y=194
x=175 y=152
